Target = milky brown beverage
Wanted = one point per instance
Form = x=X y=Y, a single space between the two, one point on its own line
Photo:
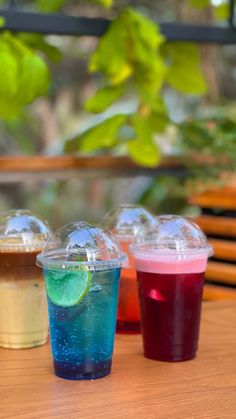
x=23 y=306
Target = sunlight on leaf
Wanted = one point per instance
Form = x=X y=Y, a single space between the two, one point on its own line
x=184 y=72
x=24 y=73
x=102 y=135
x=142 y=149
x=103 y=98
x=144 y=153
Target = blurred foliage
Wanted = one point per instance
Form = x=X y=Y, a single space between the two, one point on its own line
x=221 y=10
x=214 y=141
x=142 y=63
x=132 y=60
x=23 y=75
x=55 y=5
x=166 y=195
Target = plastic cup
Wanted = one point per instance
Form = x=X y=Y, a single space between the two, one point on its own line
x=82 y=271
x=170 y=263
x=125 y=222
x=23 y=304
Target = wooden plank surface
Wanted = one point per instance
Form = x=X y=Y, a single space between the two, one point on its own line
x=223 y=249
x=138 y=388
x=224 y=198
x=218 y=293
x=221 y=272
x=18 y=168
x=219 y=226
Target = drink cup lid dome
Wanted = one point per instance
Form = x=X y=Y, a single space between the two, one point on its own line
x=174 y=236
x=80 y=245
x=126 y=221
x=22 y=230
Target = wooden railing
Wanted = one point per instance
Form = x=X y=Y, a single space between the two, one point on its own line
x=15 y=169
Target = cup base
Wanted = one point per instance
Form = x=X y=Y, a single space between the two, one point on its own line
x=89 y=370
x=173 y=358
x=128 y=327
x=27 y=345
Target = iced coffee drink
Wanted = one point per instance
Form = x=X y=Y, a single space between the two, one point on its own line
x=23 y=306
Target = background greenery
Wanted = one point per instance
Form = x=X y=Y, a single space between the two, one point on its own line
x=144 y=97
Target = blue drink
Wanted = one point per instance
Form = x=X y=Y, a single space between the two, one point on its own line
x=82 y=266
x=82 y=336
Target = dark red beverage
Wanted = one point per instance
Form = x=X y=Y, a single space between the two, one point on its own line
x=170 y=314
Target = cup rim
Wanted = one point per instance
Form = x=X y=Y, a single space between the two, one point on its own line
x=160 y=253
x=46 y=261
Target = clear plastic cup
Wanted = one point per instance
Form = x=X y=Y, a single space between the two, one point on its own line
x=171 y=261
x=23 y=305
x=82 y=270
x=125 y=222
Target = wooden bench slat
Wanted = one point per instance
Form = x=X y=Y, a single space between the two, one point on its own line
x=224 y=198
x=223 y=249
x=221 y=272
x=217 y=225
x=217 y=293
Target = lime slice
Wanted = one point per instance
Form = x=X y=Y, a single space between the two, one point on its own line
x=67 y=289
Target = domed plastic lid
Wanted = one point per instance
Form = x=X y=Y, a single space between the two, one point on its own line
x=174 y=237
x=22 y=231
x=126 y=221
x=81 y=246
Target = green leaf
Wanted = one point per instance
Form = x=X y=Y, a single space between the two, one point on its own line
x=2 y=21
x=145 y=39
x=136 y=41
x=34 y=79
x=15 y=45
x=144 y=35
x=200 y=4
x=50 y=5
x=8 y=108
x=103 y=98
x=144 y=153
x=38 y=43
x=184 y=72
x=116 y=68
x=222 y=11
x=156 y=114
x=149 y=80
x=102 y=135
x=158 y=122
x=24 y=75
x=8 y=73
x=142 y=149
x=104 y=3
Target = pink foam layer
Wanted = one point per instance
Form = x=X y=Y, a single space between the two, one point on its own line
x=163 y=266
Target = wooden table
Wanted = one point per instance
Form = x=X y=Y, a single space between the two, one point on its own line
x=137 y=388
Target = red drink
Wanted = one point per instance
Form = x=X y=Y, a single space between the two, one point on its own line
x=128 y=317
x=125 y=222
x=170 y=293
x=170 y=261
x=170 y=312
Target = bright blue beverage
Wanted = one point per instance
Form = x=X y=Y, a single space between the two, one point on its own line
x=82 y=335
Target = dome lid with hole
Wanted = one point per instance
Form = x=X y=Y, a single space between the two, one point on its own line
x=80 y=245
x=174 y=236
x=22 y=231
x=126 y=221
